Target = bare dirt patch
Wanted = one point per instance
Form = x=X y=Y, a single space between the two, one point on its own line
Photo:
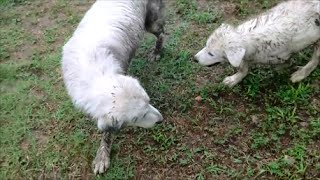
x=46 y=29
x=40 y=137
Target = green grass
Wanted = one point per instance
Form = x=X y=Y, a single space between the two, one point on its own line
x=266 y=127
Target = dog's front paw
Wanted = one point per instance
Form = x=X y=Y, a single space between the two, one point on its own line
x=102 y=161
x=298 y=76
x=230 y=81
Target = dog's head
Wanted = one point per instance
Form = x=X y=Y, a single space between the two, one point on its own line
x=128 y=105
x=223 y=45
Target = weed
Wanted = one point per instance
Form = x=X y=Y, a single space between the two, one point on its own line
x=259 y=140
x=294 y=95
x=189 y=10
x=49 y=35
x=215 y=169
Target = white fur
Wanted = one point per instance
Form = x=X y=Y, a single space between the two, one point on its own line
x=94 y=62
x=270 y=38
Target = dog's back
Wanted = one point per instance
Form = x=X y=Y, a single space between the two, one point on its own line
x=117 y=26
x=287 y=28
x=292 y=14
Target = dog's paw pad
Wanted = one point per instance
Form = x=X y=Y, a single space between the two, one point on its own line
x=101 y=162
x=230 y=81
x=100 y=167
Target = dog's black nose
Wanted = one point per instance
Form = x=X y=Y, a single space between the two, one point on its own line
x=194 y=60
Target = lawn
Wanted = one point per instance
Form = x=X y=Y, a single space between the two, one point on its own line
x=265 y=127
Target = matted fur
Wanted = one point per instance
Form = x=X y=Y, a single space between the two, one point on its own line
x=270 y=38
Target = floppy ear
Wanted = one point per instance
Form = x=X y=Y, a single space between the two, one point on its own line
x=235 y=55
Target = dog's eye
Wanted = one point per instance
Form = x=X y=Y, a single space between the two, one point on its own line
x=135 y=119
x=144 y=115
x=210 y=53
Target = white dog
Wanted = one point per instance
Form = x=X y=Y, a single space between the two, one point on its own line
x=95 y=61
x=271 y=38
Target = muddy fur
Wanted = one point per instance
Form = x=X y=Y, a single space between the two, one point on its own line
x=270 y=38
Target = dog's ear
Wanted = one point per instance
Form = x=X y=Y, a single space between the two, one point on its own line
x=235 y=55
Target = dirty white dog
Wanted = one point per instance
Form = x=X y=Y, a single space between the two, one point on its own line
x=270 y=38
x=95 y=61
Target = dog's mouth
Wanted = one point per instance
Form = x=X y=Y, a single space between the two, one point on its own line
x=214 y=64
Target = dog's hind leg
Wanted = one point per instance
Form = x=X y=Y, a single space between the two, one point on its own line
x=308 y=68
x=236 y=78
x=102 y=160
x=155 y=24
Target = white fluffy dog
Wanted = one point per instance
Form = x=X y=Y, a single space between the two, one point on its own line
x=270 y=38
x=95 y=61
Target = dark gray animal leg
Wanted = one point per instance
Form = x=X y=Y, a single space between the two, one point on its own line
x=102 y=160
